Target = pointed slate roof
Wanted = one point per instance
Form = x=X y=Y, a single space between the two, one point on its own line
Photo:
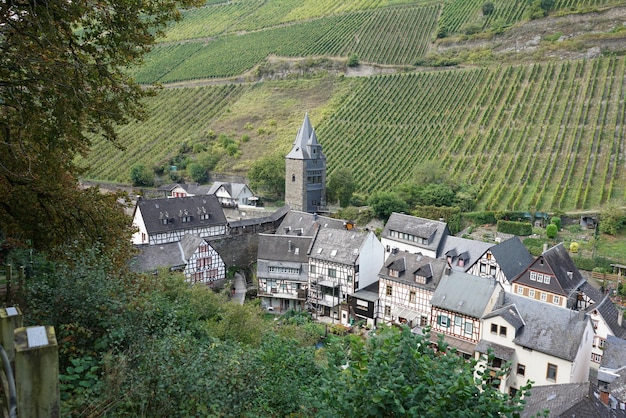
x=561 y=263
x=306 y=138
x=605 y=307
x=512 y=257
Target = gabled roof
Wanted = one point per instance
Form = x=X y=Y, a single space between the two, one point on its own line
x=606 y=308
x=512 y=257
x=464 y=293
x=561 y=263
x=234 y=190
x=368 y=293
x=151 y=257
x=614 y=354
x=305 y=141
x=189 y=243
x=468 y=249
x=338 y=245
x=272 y=217
x=154 y=210
x=510 y=314
x=409 y=265
x=571 y=400
x=435 y=231
x=284 y=248
x=549 y=329
x=304 y=223
x=196 y=189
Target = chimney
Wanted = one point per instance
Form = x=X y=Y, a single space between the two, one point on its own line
x=315 y=216
x=447 y=271
x=604 y=396
x=501 y=298
x=581 y=315
x=289 y=246
x=620 y=317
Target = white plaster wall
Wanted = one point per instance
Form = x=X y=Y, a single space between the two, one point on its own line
x=405 y=246
x=141 y=229
x=371 y=259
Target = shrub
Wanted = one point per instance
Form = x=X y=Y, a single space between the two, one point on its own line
x=197 y=172
x=353 y=60
x=140 y=175
x=551 y=231
x=574 y=247
x=488 y=8
x=516 y=228
x=556 y=221
x=480 y=218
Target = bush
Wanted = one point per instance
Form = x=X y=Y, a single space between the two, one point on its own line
x=480 y=218
x=551 y=231
x=197 y=172
x=452 y=216
x=574 y=247
x=488 y=8
x=556 y=221
x=140 y=175
x=515 y=228
x=353 y=60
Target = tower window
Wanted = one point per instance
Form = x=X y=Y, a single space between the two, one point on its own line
x=293 y=177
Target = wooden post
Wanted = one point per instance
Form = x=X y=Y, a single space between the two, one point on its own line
x=10 y=320
x=37 y=372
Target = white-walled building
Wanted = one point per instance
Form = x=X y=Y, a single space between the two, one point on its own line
x=414 y=235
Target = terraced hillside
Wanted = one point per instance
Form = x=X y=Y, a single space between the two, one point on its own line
x=542 y=135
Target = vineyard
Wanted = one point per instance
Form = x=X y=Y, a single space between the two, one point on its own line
x=545 y=136
x=396 y=35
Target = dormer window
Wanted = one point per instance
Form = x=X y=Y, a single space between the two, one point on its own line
x=184 y=215
x=394 y=273
x=420 y=279
x=203 y=214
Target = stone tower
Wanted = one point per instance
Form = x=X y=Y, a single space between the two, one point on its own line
x=305 y=172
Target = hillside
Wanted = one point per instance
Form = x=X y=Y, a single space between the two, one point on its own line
x=531 y=116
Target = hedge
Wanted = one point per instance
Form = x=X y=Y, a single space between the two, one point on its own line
x=515 y=228
x=451 y=215
x=480 y=218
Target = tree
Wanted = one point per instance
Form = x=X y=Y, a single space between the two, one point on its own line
x=551 y=231
x=612 y=219
x=197 y=172
x=385 y=203
x=59 y=87
x=353 y=60
x=488 y=8
x=269 y=173
x=400 y=374
x=141 y=175
x=340 y=187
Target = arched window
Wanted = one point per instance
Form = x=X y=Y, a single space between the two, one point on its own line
x=293 y=177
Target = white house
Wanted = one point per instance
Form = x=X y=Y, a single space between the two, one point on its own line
x=161 y=221
x=414 y=235
x=233 y=194
x=544 y=343
x=341 y=262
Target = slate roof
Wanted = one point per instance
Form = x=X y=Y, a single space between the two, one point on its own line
x=196 y=189
x=233 y=189
x=338 y=245
x=510 y=314
x=557 y=399
x=283 y=248
x=549 y=329
x=151 y=257
x=419 y=227
x=463 y=293
x=368 y=293
x=614 y=354
x=409 y=265
x=512 y=257
x=456 y=246
x=500 y=351
x=306 y=137
x=605 y=307
x=561 y=263
x=152 y=210
x=307 y=223
x=273 y=217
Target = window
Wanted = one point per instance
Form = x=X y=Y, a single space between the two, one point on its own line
x=521 y=370
x=293 y=177
x=312 y=268
x=488 y=256
x=531 y=293
x=601 y=342
x=461 y=262
x=494 y=328
x=469 y=327
x=533 y=276
x=492 y=270
x=387 y=310
x=539 y=278
x=443 y=320
x=546 y=279
x=503 y=331
x=544 y=296
x=520 y=290
x=332 y=273
x=458 y=321
x=412 y=297
x=551 y=372
x=483 y=268
x=389 y=290
x=556 y=300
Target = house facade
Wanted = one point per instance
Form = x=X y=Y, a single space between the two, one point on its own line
x=552 y=278
x=406 y=285
x=283 y=271
x=364 y=305
x=462 y=253
x=414 y=235
x=305 y=172
x=458 y=304
x=204 y=264
x=503 y=261
x=233 y=195
x=341 y=262
x=543 y=343
x=161 y=221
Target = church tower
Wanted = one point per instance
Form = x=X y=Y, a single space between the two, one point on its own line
x=305 y=174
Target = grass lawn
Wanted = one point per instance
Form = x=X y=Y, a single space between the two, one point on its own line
x=612 y=247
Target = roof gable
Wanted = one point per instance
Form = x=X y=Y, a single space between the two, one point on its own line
x=306 y=146
x=512 y=257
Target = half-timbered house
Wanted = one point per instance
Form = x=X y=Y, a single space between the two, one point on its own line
x=504 y=261
x=414 y=235
x=161 y=221
x=406 y=285
x=341 y=262
x=462 y=253
x=457 y=306
x=283 y=271
x=233 y=195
